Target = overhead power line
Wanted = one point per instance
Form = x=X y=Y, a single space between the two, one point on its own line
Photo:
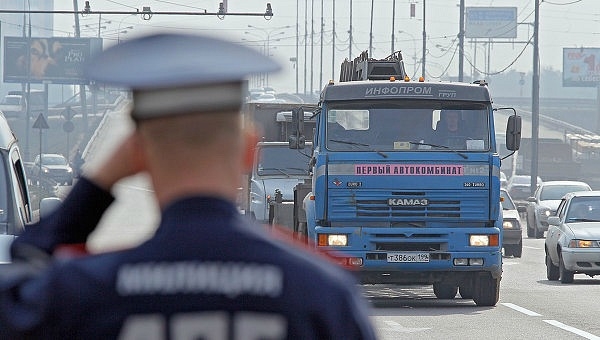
x=147 y=13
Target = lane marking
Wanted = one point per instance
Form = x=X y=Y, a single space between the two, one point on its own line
x=572 y=329
x=521 y=309
x=529 y=247
x=394 y=326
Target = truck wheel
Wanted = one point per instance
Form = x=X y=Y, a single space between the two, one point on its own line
x=487 y=290
x=552 y=272
x=444 y=291
x=466 y=290
x=566 y=276
x=508 y=250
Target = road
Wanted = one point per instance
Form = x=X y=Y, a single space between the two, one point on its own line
x=530 y=306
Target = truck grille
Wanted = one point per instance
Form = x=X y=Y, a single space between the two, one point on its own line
x=441 y=204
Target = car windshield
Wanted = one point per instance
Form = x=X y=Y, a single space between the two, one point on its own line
x=556 y=192
x=11 y=101
x=407 y=126
x=53 y=160
x=281 y=161
x=507 y=203
x=584 y=209
x=526 y=180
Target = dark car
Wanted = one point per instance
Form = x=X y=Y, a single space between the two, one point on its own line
x=512 y=235
x=519 y=187
x=52 y=166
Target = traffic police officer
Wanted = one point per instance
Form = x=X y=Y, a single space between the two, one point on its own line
x=207 y=272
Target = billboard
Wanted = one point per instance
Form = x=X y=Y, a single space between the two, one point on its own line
x=491 y=22
x=581 y=67
x=47 y=60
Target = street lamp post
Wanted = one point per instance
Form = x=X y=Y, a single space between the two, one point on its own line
x=269 y=32
x=119 y=28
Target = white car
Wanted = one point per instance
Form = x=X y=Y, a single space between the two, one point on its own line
x=13 y=105
x=573 y=239
x=545 y=201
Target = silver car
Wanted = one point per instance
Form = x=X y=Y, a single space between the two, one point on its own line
x=545 y=201
x=573 y=237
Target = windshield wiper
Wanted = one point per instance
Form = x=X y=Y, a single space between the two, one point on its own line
x=382 y=154
x=441 y=147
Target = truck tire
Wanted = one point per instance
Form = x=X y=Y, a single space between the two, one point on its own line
x=552 y=271
x=444 y=291
x=466 y=290
x=487 y=290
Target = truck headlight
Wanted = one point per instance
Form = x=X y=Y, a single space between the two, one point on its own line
x=484 y=240
x=333 y=240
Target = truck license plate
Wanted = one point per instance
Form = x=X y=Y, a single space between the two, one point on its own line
x=408 y=257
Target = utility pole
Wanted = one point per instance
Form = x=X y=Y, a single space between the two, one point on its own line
x=350 y=34
x=333 y=42
x=297 y=40
x=535 y=100
x=312 y=45
x=424 y=44
x=26 y=87
x=305 y=42
x=393 y=24
x=371 y=32
x=321 y=62
x=461 y=41
x=82 y=91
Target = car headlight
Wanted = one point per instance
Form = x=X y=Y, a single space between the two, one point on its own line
x=333 y=240
x=584 y=244
x=484 y=240
x=543 y=211
x=510 y=224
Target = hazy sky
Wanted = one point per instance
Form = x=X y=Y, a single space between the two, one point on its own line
x=563 y=23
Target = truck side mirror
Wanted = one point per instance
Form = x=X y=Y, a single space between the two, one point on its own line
x=513 y=133
x=297 y=140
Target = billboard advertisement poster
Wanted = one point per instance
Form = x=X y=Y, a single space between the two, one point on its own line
x=55 y=60
x=491 y=22
x=581 y=67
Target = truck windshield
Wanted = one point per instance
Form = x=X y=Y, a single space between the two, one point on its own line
x=281 y=161
x=408 y=126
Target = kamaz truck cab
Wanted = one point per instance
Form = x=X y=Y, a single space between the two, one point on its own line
x=398 y=192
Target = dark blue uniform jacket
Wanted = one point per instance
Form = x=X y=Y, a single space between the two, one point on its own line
x=207 y=273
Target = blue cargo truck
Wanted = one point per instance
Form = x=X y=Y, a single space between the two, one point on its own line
x=400 y=193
